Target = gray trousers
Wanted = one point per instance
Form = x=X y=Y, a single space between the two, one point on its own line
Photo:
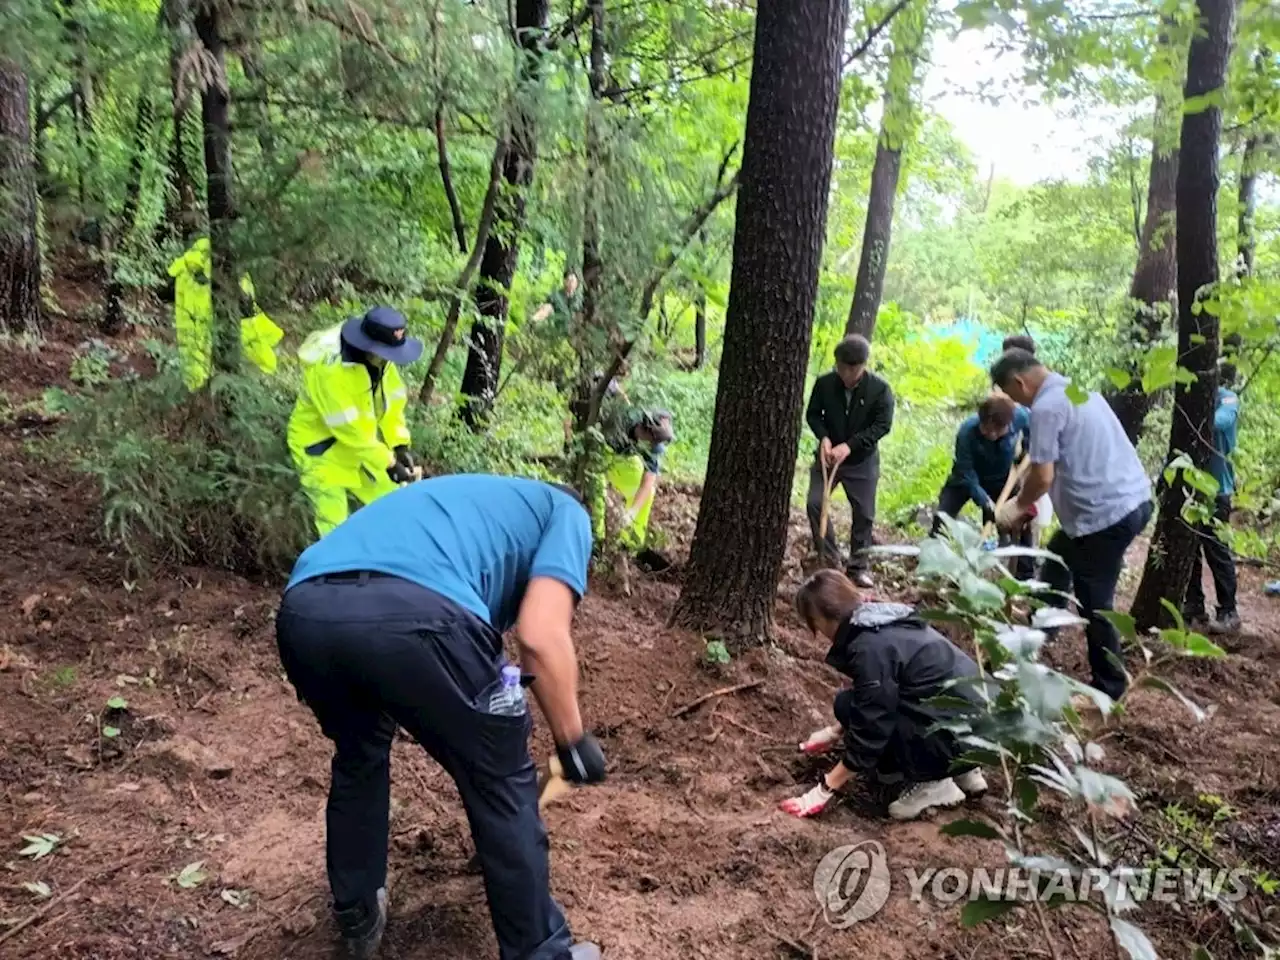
x=859 y=481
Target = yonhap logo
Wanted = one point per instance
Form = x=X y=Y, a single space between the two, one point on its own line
x=852 y=883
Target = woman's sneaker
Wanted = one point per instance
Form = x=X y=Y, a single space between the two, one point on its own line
x=919 y=798
x=973 y=783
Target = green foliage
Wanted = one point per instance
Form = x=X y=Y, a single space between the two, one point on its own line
x=716 y=653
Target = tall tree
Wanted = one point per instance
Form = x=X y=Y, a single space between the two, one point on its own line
x=215 y=103
x=777 y=252
x=118 y=232
x=1155 y=278
x=896 y=124
x=1173 y=554
x=501 y=250
x=19 y=243
x=182 y=218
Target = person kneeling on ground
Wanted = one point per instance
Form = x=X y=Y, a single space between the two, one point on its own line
x=897 y=663
x=986 y=446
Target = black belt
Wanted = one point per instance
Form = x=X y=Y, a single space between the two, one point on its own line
x=352 y=576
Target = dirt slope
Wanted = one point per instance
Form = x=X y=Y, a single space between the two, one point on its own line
x=681 y=854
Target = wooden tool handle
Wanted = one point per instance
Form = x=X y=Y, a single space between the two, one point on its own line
x=552 y=784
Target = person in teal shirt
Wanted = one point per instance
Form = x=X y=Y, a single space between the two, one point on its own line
x=395 y=619
x=1209 y=543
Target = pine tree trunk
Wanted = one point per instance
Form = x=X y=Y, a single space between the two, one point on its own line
x=182 y=217
x=741 y=536
x=113 y=314
x=895 y=128
x=501 y=252
x=1155 y=278
x=1248 y=205
x=215 y=110
x=1173 y=548
x=19 y=240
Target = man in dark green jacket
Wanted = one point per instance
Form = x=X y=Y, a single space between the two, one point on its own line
x=850 y=412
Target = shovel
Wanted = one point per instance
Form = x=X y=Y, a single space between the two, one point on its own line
x=551 y=783
x=828 y=484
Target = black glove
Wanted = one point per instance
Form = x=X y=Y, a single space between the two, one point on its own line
x=405 y=458
x=582 y=762
x=399 y=473
x=988 y=513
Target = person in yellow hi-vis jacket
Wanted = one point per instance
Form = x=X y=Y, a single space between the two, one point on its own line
x=636 y=439
x=193 y=318
x=347 y=433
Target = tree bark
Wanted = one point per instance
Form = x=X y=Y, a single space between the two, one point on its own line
x=1173 y=548
x=215 y=103
x=1155 y=278
x=741 y=535
x=700 y=331
x=19 y=241
x=895 y=127
x=446 y=178
x=501 y=250
x=182 y=216
x=113 y=314
x=1248 y=205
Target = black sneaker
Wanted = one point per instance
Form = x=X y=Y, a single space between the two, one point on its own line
x=362 y=926
x=861 y=578
x=1195 y=619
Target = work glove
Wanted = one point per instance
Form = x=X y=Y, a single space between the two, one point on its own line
x=399 y=473
x=405 y=458
x=988 y=513
x=1011 y=516
x=582 y=762
x=810 y=804
x=821 y=741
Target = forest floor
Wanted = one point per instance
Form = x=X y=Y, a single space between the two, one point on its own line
x=681 y=854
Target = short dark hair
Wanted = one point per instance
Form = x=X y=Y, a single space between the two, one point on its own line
x=1019 y=341
x=571 y=491
x=853 y=350
x=1011 y=363
x=1227 y=373
x=996 y=411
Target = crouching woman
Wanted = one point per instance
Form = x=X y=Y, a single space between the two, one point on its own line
x=897 y=664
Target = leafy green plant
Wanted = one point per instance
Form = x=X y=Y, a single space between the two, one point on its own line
x=40 y=845
x=715 y=653
x=91 y=366
x=1040 y=729
x=191 y=876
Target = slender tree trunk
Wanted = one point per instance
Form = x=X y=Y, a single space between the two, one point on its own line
x=113 y=314
x=1173 y=548
x=700 y=331
x=182 y=216
x=895 y=128
x=446 y=179
x=19 y=240
x=741 y=535
x=1155 y=278
x=1248 y=202
x=216 y=109
x=501 y=251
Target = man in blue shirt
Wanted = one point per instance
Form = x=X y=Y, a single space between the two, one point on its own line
x=1216 y=553
x=396 y=619
x=985 y=446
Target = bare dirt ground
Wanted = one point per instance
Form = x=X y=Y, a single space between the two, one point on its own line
x=682 y=854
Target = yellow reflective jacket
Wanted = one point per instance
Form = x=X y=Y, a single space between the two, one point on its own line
x=342 y=423
x=193 y=318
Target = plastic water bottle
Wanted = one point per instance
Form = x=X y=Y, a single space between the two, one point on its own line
x=509 y=701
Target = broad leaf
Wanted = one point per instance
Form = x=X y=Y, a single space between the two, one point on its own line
x=1125 y=625
x=1023 y=642
x=1160 y=683
x=110 y=732
x=981 y=594
x=1054 y=618
x=1076 y=393
x=40 y=845
x=118 y=703
x=192 y=875
x=38 y=887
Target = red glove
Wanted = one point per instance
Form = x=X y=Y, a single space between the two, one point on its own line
x=820 y=741
x=809 y=805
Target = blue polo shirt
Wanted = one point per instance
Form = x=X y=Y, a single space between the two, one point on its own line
x=477 y=540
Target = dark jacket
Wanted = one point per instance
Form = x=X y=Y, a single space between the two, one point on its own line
x=981 y=465
x=896 y=662
x=861 y=418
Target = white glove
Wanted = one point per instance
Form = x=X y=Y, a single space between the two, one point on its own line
x=820 y=741
x=1011 y=516
x=628 y=518
x=809 y=805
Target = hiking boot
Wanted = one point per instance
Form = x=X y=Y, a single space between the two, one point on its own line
x=973 y=783
x=585 y=951
x=362 y=926
x=1224 y=623
x=1195 y=619
x=919 y=798
x=861 y=579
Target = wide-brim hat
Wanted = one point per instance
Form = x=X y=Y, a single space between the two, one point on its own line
x=382 y=332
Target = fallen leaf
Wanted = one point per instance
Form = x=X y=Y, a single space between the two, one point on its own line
x=38 y=887
x=30 y=603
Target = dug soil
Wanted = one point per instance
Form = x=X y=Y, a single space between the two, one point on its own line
x=189 y=813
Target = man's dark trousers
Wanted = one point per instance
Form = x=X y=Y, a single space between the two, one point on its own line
x=952 y=500
x=1093 y=565
x=368 y=652
x=859 y=481
x=1221 y=564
